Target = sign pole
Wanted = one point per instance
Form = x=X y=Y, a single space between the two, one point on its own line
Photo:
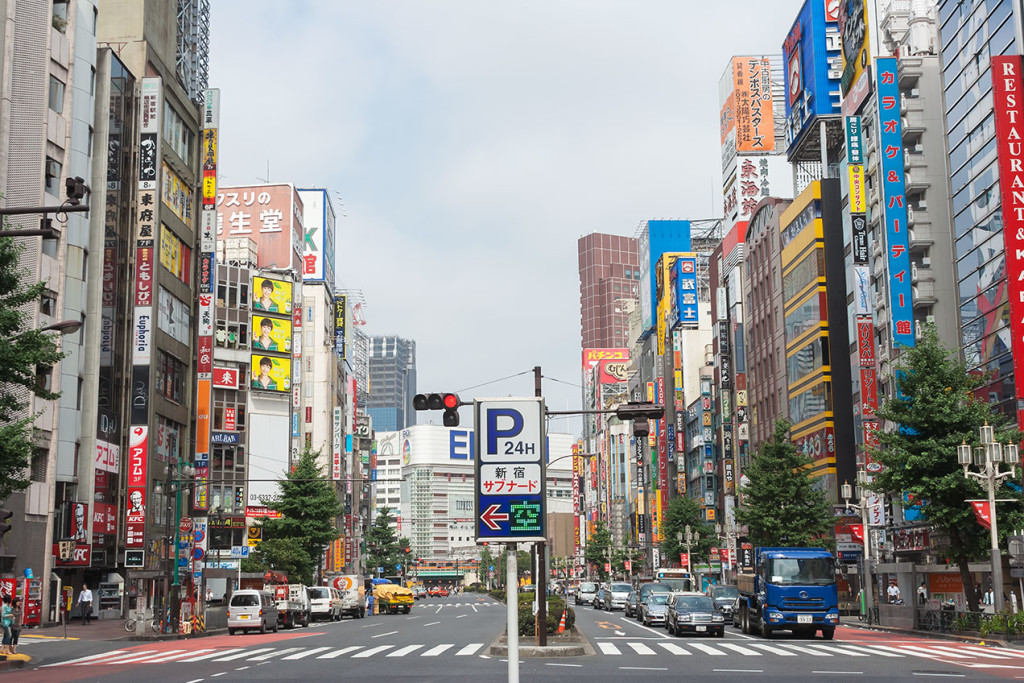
x=512 y=602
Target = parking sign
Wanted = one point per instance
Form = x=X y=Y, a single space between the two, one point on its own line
x=511 y=453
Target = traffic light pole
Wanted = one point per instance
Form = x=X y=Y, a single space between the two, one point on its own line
x=542 y=566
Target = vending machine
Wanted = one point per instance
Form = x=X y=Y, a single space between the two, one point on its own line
x=31 y=592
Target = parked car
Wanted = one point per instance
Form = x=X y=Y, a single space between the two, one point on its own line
x=252 y=610
x=641 y=593
x=599 y=596
x=434 y=591
x=585 y=593
x=630 y=609
x=694 y=613
x=654 y=608
x=324 y=603
x=725 y=598
x=615 y=596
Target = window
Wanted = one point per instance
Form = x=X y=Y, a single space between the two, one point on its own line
x=177 y=133
x=40 y=457
x=56 y=95
x=60 y=15
x=52 y=177
x=48 y=303
x=170 y=377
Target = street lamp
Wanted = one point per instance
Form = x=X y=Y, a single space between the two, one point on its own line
x=173 y=472
x=690 y=538
x=986 y=458
x=727 y=533
x=862 y=494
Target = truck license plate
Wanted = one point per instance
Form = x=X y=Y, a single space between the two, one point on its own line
x=804 y=619
x=701 y=629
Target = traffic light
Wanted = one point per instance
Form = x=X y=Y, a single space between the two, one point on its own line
x=640 y=413
x=449 y=403
x=5 y=524
x=75 y=189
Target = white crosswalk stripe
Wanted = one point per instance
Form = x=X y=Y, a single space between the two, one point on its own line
x=988 y=655
x=992 y=650
x=805 y=650
x=641 y=649
x=240 y=655
x=342 y=651
x=739 y=648
x=403 y=651
x=707 y=649
x=211 y=655
x=85 y=659
x=837 y=649
x=774 y=650
x=272 y=654
x=872 y=650
x=609 y=648
x=372 y=651
x=932 y=653
x=675 y=649
x=306 y=653
x=435 y=651
x=469 y=649
x=179 y=655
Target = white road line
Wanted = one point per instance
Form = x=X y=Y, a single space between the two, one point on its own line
x=338 y=653
x=462 y=616
x=211 y=655
x=839 y=673
x=1005 y=653
x=674 y=649
x=739 y=671
x=805 y=650
x=469 y=649
x=774 y=650
x=560 y=664
x=707 y=649
x=990 y=655
x=220 y=674
x=872 y=650
x=838 y=649
x=176 y=656
x=476 y=610
x=739 y=648
x=943 y=675
x=381 y=635
x=403 y=651
x=194 y=680
x=149 y=658
x=376 y=623
x=372 y=651
x=273 y=653
x=86 y=659
x=130 y=655
x=435 y=651
x=936 y=651
x=641 y=649
x=432 y=623
x=306 y=653
x=439 y=608
x=608 y=648
x=643 y=668
x=242 y=654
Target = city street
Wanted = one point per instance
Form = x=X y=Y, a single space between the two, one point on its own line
x=446 y=639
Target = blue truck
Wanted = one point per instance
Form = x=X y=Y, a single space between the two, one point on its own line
x=791 y=589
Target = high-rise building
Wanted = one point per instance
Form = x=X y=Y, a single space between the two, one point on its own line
x=392 y=361
x=609 y=277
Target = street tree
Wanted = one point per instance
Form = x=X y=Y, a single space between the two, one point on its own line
x=939 y=404
x=23 y=355
x=781 y=505
x=308 y=523
x=683 y=511
x=598 y=549
x=384 y=548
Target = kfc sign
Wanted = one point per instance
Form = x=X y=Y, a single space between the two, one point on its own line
x=137 y=456
x=81 y=558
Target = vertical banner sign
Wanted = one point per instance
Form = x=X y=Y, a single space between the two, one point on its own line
x=511 y=453
x=339 y=325
x=854 y=144
x=901 y=305
x=204 y=294
x=1009 y=111
x=337 y=440
x=576 y=474
x=135 y=515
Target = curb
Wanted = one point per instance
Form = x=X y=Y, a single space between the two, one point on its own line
x=19 y=663
x=499 y=648
x=934 y=634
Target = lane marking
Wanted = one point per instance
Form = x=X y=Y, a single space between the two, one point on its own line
x=936 y=673
x=469 y=649
x=739 y=648
x=148 y=658
x=932 y=653
x=462 y=616
x=216 y=653
x=872 y=650
x=609 y=648
x=338 y=653
x=432 y=623
x=86 y=659
x=435 y=651
x=773 y=649
x=990 y=655
x=641 y=649
x=739 y=671
x=185 y=653
x=643 y=668
x=244 y=653
x=376 y=623
x=402 y=651
x=838 y=649
x=131 y=655
x=558 y=664
x=805 y=650
x=372 y=651
x=220 y=674
x=1003 y=652
x=840 y=673
x=306 y=653
x=381 y=635
x=675 y=649
x=273 y=653
x=242 y=668
x=707 y=649
x=474 y=608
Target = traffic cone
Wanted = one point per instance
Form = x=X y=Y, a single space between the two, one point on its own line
x=561 y=623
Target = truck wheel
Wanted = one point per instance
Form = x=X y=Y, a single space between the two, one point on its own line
x=744 y=620
x=263 y=627
x=231 y=631
x=828 y=633
x=766 y=630
x=276 y=625
x=406 y=610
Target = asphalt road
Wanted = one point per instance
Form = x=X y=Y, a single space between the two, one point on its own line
x=446 y=639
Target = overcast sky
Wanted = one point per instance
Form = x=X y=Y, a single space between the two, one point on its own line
x=469 y=144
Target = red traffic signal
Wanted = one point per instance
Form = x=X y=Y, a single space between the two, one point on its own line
x=449 y=403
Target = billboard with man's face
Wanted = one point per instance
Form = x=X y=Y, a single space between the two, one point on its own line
x=271 y=296
x=271 y=334
x=271 y=373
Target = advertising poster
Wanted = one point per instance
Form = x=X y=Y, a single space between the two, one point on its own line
x=271 y=296
x=271 y=374
x=271 y=334
x=270 y=215
x=135 y=515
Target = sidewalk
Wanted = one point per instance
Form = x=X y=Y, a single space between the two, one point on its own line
x=105 y=629
x=992 y=640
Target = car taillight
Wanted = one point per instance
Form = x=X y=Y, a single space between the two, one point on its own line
x=229 y=614
x=261 y=613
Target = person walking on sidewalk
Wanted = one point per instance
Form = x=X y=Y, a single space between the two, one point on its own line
x=15 y=625
x=6 y=619
x=85 y=604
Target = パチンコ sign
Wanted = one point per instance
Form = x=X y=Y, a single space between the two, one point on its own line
x=511 y=454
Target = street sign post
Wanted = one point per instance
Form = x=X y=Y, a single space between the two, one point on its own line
x=511 y=455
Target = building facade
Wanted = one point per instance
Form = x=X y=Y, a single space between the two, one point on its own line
x=392 y=382
x=609 y=275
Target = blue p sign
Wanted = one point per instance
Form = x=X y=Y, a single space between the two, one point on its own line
x=494 y=432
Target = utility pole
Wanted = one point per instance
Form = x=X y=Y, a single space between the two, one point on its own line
x=542 y=565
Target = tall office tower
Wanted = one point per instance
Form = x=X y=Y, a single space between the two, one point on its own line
x=609 y=274
x=392 y=382
x=976 y=37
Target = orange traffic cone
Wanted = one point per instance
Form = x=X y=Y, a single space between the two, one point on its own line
x=561 y=624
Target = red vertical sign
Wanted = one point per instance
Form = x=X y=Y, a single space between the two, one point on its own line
x=1009 y=111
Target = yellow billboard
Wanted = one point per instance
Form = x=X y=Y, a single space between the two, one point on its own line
x=853 y=27
x=858 y=194
x=271 y=334
x=271 y=296
x=752 y=93
x=271 y=373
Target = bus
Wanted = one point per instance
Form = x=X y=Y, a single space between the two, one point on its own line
x=679 y=580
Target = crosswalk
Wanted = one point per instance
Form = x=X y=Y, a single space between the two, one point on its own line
x=266 y=654
x=956 y=652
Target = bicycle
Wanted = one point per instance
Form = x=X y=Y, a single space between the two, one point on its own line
x=131 y=623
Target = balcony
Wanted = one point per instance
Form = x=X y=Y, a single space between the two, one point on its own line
x=924 y=294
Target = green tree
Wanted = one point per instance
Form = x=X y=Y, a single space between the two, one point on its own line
x=309 y=510
x=383 y=547
x=22 y=353
x=781 y=506
x=684 y=511
x=937 y=409
x=599 y=545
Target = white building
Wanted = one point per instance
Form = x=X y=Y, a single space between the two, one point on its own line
x=425 y=476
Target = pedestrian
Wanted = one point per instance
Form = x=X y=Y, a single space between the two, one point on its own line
x=15 y=625
x=922 y=593
x=6 y=620
x=85 y=604
x=209 y=595
x=893 y=592
x=369 y=604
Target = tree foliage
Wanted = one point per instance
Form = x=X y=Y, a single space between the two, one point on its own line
x=295 y=542
x=598 y=549
x=781 y=506
x=936 y=409
x=383 y=546
x=21 y=353
x=683 y=511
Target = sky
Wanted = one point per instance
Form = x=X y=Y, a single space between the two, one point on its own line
x=468 y=144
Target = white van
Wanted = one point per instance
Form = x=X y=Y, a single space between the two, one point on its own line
x=324 y=603
x=252 y=610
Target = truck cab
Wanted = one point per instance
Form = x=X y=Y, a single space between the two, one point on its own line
x=791 y=589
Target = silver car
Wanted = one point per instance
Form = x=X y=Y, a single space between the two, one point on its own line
x=654 y=609
x=616 y=595
x=585 y=593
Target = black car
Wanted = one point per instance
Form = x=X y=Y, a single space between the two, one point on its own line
x=725 y=599
x=630 y=602
x=694 y=613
